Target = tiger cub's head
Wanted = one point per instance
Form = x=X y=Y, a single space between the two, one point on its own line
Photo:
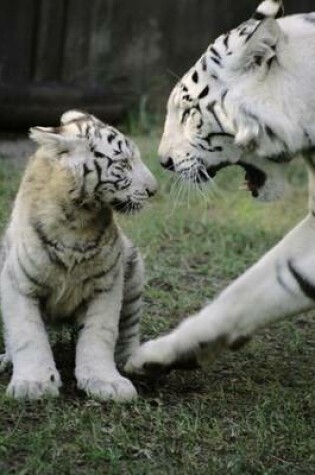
x=213 y=114
x=106 y=165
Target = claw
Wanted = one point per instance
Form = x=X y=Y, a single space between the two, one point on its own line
x=157 y=370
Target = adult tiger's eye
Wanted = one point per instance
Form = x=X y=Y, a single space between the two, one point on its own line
x=126 y=164
x=98 y=154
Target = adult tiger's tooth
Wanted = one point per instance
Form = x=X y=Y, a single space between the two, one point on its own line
x=244 y=186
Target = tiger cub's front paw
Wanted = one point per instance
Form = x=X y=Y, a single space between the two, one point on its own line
x=116 y=388
x=33 y=389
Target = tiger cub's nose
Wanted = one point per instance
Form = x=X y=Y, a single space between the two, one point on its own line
x=151 y=191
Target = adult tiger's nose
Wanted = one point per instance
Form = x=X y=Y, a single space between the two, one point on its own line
x=167 y=163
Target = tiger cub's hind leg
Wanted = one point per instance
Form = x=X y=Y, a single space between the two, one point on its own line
x=129 y=323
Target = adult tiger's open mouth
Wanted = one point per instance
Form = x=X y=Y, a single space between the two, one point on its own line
x=205 y=174
x=254 y=177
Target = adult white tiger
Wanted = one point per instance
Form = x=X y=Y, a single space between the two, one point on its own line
x=67 y=259
x=250 y=101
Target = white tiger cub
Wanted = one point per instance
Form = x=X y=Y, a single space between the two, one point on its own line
x=250 y=101
x=67 y=259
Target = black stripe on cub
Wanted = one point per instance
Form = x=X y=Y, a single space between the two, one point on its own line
x=129 y=321
x=30 y=277
x=133 y=299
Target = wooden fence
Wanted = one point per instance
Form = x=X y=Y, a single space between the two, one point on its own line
x=103 y=55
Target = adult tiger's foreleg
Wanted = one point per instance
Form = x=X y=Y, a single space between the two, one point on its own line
x=280 y=284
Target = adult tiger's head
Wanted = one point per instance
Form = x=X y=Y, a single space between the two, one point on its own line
x=212 y=119
x=106 y=166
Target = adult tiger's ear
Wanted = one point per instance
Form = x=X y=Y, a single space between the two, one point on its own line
x=260 y=46
x=52 y=139
x=72 y=115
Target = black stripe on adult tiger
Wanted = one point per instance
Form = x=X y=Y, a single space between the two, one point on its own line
x=248 y=101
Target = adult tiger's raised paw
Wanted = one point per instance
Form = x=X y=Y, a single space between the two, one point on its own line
x=153 y=356
x=157 y=357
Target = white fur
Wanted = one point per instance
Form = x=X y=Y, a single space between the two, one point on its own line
x=269 y=7
x=280 y=95
x=65 y=257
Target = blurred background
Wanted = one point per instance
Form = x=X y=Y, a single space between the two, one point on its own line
x=115 y=58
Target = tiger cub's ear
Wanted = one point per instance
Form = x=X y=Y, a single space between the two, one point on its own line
x=260 y=46
x=52 y=139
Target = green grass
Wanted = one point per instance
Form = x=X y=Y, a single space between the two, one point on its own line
x=251 y=413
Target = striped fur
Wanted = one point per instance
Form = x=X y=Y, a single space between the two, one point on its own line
x=250 y=101
x=231 y=107
x=269 y=9
x=66 y=258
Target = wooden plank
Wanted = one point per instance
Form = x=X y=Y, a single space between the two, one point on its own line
x=107 y=52
x=17 y=26
x=77 y=42
x=101 y=54
x=34 y=105
x=49 y=41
